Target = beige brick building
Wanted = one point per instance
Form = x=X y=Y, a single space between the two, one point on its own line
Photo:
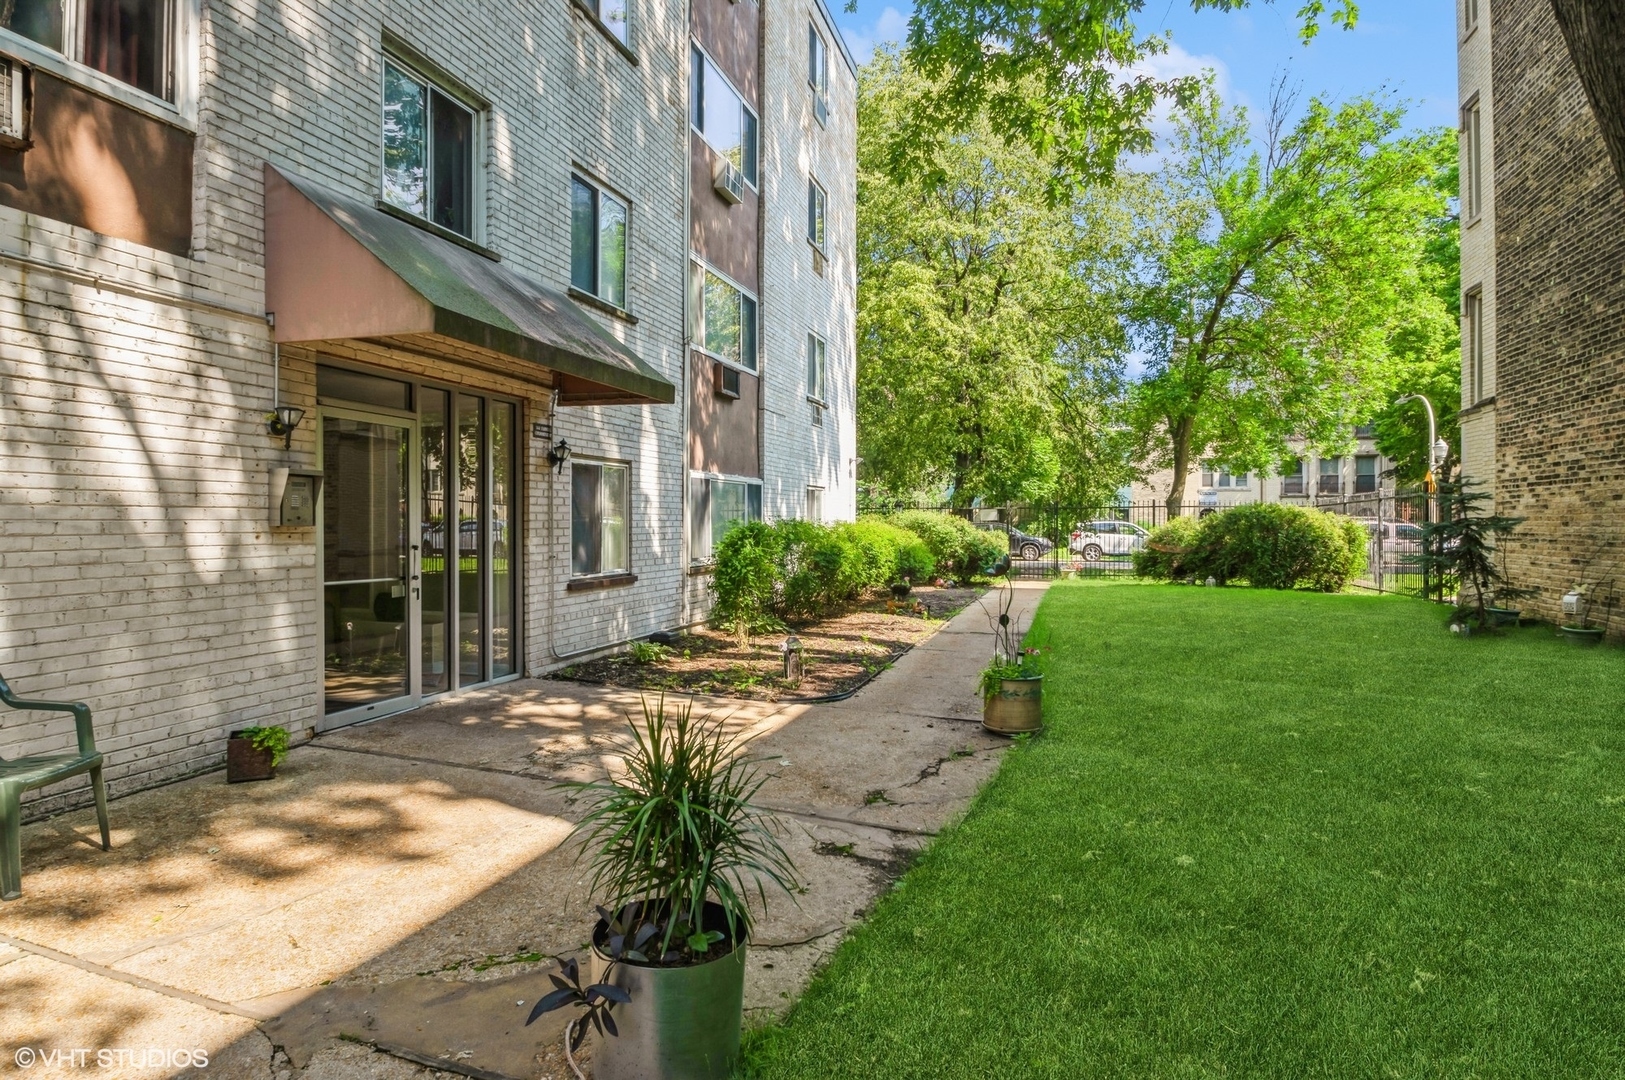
x=1543 y=280
x=477 y=228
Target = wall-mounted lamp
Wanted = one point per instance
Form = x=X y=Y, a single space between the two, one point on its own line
x=559 y=455
x=282 y=422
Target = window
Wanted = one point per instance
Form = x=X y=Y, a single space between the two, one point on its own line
x=816 y=368
x=132 y=41
x=1331 y=476
x=815 y=505
x=721 y=118
x=818 y=72
x=1469 y=16
x=716 y=507
x=1472 y=157
x=815 y=213
x=1472 y=340
x=1226 y=480
x=597 y=519
x=724 y=317
x=612 y=13
x=1292 y=478
x=1365 y=473
x=597 y=242
x=1207 y=477
x=1365 y=431
x=428 y=151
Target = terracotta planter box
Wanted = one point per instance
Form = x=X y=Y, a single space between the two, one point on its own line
x=243 y=762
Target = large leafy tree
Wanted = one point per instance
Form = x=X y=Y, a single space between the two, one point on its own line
x=980 y=357
x=1271 y=282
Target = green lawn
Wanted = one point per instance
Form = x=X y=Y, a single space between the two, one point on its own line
x=1266 y=834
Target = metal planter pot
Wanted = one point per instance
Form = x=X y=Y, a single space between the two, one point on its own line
x=1017 y=708
x=682 y=1022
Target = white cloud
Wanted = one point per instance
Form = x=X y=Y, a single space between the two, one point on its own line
x=890 y=28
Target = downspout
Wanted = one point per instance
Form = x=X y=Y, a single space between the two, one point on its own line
x=685 y=140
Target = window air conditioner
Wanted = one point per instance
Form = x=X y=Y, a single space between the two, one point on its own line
x=13 y=106
x=729 y=181
x=724 y=380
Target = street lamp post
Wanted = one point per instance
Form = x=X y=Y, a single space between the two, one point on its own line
x=1437 y=451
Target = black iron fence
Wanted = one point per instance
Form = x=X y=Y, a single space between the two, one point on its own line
x=1052 y=540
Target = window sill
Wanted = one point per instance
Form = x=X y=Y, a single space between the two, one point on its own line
x=598 y=24
x=599 y=304
x=702 y=569
x=1479 y=406
x=436 y=230
x=602 y=581
x=95 y=82
x=820 y=402
x=1474 y=220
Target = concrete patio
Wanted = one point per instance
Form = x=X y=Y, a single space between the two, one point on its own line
x=392 y=900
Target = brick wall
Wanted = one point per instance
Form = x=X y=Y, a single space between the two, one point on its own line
x=1560 y=334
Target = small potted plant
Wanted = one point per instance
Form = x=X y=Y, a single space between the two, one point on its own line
x=677 y=849
x=253 y=753
x=1576 y=625
x=1012 y=685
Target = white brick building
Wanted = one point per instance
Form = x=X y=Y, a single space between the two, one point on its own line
x=139 y=566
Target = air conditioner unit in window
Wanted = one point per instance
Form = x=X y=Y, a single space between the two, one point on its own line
x=724 y=380
x=820 y=108
x=13 y=104
x=729 y=181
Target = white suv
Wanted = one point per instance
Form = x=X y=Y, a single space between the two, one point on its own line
x=1097 y=539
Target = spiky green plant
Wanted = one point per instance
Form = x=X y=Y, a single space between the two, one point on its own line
x=677 y=828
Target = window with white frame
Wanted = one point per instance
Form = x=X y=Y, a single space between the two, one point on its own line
x=1207 y=476
x=717 y=506
x=723 y=317
x=612 y=13
x=598 y=515
x=1226 y=479
x=818 y=72
x=1331 y=476
x=132 y=41
x=1365 y=474
x=1469 y=16
x=1472 y=335
x=597 y=242
x=1292 y=478
x=1472 y=159
x=817 y=368
x=815 y=505
x=720 y=116
x=816 y=201
x=429 y=150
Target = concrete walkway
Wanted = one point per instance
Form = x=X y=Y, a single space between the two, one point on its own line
x=395 y=895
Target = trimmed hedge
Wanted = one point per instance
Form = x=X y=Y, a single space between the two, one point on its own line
x=1268 y=545
x=959 y=548
x=798 y=570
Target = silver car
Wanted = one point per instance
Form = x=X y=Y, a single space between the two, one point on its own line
x=1097 y=539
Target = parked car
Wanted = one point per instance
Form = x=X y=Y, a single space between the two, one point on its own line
x=1397 y=535
x=1022 y=545
x=1097 y=539
x=434 y=538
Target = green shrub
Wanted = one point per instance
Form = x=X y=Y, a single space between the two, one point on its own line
x=746 y=577
x=959 y=548
x=818 y=567
x=1267 y=545
x=1168 y=549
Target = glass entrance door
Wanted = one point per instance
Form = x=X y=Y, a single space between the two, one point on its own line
x=369 y=601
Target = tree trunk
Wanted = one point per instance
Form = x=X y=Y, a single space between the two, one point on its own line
x=1595 y=32
x=1179 y=433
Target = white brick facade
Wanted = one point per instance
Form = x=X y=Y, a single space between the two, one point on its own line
x=137 y=568
x=1477 y=243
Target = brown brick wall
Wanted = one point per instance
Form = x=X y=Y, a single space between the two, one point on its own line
x=1560 y=334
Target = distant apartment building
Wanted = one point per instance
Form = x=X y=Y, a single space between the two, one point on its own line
x=357 y=354
x=1543 y=304
x=1305 y=479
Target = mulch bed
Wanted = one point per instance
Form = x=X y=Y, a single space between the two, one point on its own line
x=839 y=654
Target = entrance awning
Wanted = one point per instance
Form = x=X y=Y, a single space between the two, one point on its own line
x=337 y=268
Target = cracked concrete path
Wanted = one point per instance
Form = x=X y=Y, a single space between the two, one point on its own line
x=394 y=897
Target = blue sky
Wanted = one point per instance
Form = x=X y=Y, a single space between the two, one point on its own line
x=1405 y=46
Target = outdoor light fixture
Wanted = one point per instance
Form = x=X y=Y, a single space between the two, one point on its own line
x=559 y=455
x=1441 y=450
x=282 y=422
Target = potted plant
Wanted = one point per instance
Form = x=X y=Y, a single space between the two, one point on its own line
x=1576 y=625
x=677 y=849
x=253 y=753
x=1012 y=685
x=1460 y=550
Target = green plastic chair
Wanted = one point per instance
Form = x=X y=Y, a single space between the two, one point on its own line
x=21 y=774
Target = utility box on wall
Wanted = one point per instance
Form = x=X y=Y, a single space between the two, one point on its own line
x=293 y=498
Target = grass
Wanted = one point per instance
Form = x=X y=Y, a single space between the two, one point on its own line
x=1266 y=835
